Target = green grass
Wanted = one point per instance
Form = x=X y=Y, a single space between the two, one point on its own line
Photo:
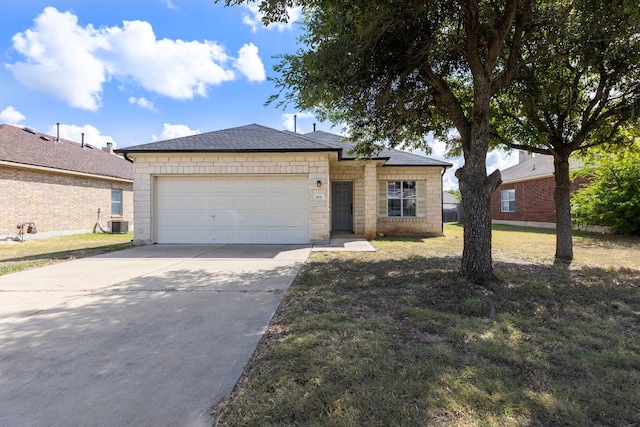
x=397 y=338
x=19 y=256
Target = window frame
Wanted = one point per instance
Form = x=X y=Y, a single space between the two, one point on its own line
x=402 y=197
x=510 y=200
x=116 y=203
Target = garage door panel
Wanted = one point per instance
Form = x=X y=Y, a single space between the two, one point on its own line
x=232 y=210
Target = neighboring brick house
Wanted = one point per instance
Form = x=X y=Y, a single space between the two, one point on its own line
x=254 y=184
x=525 y=196
x=59 y=184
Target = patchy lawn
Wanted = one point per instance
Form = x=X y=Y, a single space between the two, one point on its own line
x=396 y=338
x=32 y=253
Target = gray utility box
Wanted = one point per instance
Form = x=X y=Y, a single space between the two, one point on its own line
x=118 y=226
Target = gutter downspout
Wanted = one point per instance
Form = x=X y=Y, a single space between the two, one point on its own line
x=444 y=170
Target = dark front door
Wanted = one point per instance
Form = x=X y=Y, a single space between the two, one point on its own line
x=342 y=206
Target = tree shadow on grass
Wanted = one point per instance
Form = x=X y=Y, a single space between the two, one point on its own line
x=361 y=341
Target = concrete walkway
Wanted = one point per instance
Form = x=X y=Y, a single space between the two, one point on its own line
x=150 y=336
x=346 y=244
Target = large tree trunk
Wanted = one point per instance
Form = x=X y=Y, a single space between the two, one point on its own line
x=476 y=189
x=562 y=197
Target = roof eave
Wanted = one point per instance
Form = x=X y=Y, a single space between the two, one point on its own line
x=124 y=151
x=446 y=166
x=26 y=166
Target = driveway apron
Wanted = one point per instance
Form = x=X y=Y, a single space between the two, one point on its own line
x=149 y=336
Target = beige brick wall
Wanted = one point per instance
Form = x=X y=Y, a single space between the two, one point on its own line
x=57 y=203
x=431 y=223
x=149 y=166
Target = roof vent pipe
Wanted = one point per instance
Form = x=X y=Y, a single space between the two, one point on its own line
x=295 y=123
x=82 y=139
x=314 y=127
x=58 y=132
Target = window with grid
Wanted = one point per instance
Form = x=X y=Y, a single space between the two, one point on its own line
x=401 y=198
x=508 y=200
x=116 y=202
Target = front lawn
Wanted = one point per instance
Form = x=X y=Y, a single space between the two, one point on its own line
x=32 y=253
x=396 y=338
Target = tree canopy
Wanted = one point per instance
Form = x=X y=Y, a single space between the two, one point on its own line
x=580 y=95
x=611 y=195
x=396 y=70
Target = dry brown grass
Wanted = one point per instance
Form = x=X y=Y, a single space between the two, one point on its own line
x=18 y=256
x=397 y=338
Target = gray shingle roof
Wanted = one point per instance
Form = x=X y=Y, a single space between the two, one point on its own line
x=395 y=157
x=535 y=167
x=257 y=138
x=32 y=148
x=244 y=138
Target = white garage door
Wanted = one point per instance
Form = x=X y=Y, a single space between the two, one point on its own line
x=265 y=209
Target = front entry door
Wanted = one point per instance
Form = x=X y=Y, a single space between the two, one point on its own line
x=342 y=206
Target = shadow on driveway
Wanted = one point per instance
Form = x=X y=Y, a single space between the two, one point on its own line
x=149 y=336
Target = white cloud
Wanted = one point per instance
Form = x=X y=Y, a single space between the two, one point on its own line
x=92 y=135
x=290 y=123
x=496 y=159
x=60 y=59
x=142 y=103
x=250 y=64
x=254 y=18
x=73 y=63
x=170 y=131
x=11 y=116
x=174 y=68
x=169 y=4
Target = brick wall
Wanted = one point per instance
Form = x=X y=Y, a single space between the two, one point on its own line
x=534 y=201
x=57 y=203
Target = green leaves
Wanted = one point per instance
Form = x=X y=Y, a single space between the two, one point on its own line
x=611 y=196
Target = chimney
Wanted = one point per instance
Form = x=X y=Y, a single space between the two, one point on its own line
x=523 y=156
x=108 y=148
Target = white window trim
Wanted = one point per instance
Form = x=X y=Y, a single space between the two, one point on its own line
x=121 y=202
x=511 y=197
x=402 y=198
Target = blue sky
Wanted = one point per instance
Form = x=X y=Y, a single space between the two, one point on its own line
x=132 y=72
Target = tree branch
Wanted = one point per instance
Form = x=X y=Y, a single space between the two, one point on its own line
x=447 y=100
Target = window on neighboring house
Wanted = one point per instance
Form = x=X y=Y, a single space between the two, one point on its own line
x=508 y=200
x=401 y=198
x=116 y=202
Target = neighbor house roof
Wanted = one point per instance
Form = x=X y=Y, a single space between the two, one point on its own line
x=28 y=148
x=449 y=201
x=257 y=138
x=539 y=166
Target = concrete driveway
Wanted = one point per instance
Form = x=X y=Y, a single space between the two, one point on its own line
x=149 y=336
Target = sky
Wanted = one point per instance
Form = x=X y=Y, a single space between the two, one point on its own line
x=133 y=72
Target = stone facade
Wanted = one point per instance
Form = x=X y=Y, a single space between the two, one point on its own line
x=428 y=221
x=317 y=166
x=58 y=202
